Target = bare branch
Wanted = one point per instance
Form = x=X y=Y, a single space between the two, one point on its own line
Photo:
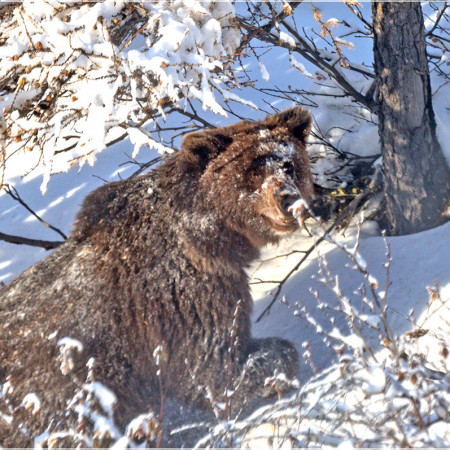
x=438 y=18
x=12 y=192
x=312 y=55
x=19 y=240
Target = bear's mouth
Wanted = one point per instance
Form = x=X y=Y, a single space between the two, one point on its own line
x=282 y=223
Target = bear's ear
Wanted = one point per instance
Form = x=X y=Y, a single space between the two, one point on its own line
x=202 y=147
x=297 y=120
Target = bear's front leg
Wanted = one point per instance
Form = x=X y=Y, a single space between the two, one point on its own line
x=270 y=369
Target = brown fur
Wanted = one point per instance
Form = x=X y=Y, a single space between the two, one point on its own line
x=159 y=260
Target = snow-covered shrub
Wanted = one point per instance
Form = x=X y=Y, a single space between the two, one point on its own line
x=88 y=419
x=358 y=404
x=75 y=77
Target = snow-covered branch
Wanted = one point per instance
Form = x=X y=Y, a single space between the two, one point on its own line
x=75 y=77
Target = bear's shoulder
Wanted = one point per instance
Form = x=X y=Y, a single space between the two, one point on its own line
x=107 y=205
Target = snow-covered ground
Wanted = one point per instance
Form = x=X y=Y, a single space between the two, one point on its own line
x=418 y=261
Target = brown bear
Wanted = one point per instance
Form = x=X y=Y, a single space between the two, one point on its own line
x=149 y=296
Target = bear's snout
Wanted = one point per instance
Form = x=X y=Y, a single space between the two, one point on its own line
x=285 y=197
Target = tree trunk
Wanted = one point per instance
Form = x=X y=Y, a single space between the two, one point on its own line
x=417 y=175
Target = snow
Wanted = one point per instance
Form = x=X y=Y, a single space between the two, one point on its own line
x=144 y=425
x=287 y=38
x=105 y=396
x=122 y=444
x=32 y=402
x=374 y=380
x=7 y=418
x=140 y=137
x=67 y=342
x=299 y=66
x=264 y=74
x=67 y=349
x=7 y=389
x=298 y=205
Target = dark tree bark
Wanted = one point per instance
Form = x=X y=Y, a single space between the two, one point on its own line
x=417 y=175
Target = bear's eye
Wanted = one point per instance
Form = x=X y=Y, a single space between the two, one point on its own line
x=259 y=162
x=263 y=161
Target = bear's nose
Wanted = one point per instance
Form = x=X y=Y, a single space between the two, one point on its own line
x=286 y=197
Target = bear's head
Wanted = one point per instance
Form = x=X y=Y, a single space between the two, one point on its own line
x=250 y=173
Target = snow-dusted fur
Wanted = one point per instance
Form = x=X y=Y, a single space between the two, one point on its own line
x=158 y=261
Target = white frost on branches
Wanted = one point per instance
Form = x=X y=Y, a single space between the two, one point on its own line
x=353 y=404
x=68 y=348
x=75 y=77
x=32 y=403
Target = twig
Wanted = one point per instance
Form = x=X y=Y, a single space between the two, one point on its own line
x=127 y=43
x=262 y=30
x=12 y=192
x=312 y=55
x=193 y=117
x=19 y=240
x=333 y=284
x=438 y=18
